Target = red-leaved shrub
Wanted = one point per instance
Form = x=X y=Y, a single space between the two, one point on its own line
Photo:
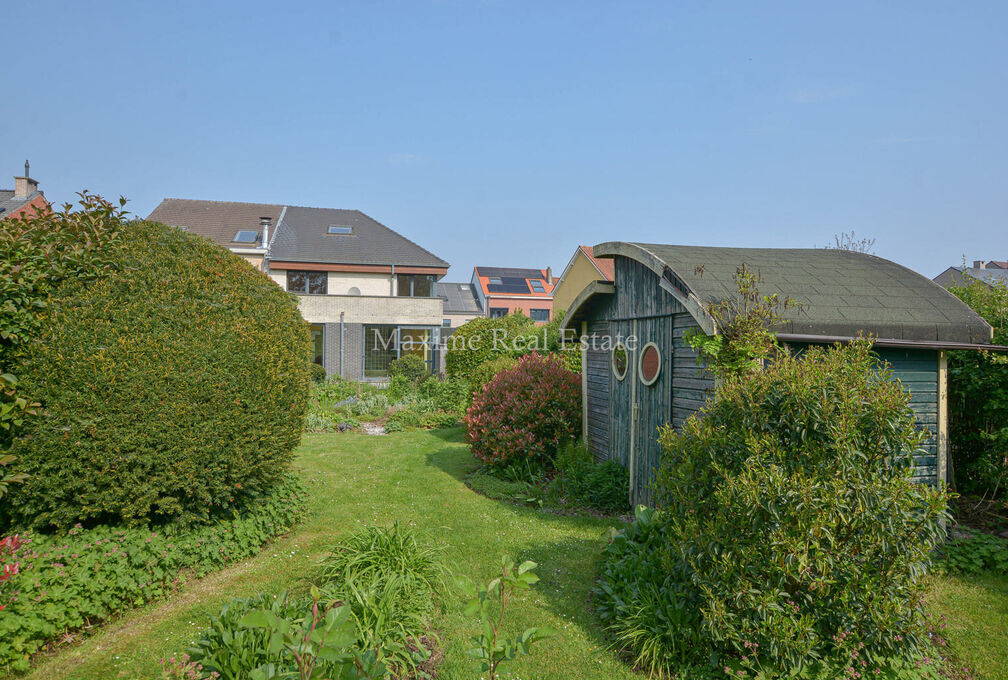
x=525 y=412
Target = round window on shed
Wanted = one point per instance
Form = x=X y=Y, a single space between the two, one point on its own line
x=620 y=359
x=649 y=367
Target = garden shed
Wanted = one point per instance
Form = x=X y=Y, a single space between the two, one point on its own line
x=639 y=373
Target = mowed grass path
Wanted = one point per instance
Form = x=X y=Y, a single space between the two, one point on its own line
x=356 y=480
x=416 y=478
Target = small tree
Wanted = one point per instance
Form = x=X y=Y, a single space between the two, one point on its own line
x=744 y=328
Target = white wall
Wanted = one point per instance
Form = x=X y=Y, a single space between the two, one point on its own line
x=340 y=283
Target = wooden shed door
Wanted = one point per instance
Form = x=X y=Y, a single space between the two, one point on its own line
x=650 y=401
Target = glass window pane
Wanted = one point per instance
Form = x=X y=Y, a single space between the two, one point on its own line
x=404 y=284
x=539 y=314
x=379 y=350
x=498 y=312
x=318 y=283
x=317 y=339
x=537 y=285
x=423 y=286
x=297 y=282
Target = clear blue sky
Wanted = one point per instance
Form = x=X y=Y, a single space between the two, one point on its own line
x=505 y=133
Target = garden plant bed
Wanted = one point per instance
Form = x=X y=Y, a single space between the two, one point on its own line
x=417 y=478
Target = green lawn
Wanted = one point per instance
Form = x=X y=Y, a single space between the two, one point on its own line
x=416 y=477
x=976 y=615
x=356 y=480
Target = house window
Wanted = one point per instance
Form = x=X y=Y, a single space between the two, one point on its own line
x=307 y=283
x=385 y=344
x=649 y=367
x=446 y=323
x=539 y=314
x=498 y=312
x=537 y=286
x=337 y=229
x=415 y=285
x=318 y=343
x=246 y=236
x=495 y=281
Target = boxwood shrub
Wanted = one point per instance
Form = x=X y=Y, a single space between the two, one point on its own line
x=173 y=383
x=77 y=578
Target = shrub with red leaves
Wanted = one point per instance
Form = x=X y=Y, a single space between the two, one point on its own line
x=526 y=412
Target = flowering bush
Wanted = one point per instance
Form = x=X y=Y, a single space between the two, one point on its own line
x=70 y=580
x=525 y=412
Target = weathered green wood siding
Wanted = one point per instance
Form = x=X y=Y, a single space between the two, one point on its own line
x=598 y=374
x=917 y=370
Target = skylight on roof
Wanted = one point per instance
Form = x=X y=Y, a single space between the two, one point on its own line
x=537 y=285
x=338 y=229
x=245 y=236
x=494 y=281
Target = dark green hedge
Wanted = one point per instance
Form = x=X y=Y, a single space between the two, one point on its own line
x=173 y=384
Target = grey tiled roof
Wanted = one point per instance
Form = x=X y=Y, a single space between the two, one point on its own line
x=302 y=237
x=9 y=204
x=219 y=221
x=985 y=275
x=840 y=292
x=459 y=298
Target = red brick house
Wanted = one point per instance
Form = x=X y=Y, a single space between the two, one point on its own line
x=502 y=290
x=24 y=198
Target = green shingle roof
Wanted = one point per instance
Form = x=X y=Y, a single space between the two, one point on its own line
x=840 y=293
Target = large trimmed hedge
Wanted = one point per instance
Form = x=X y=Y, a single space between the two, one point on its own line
x=173 y=383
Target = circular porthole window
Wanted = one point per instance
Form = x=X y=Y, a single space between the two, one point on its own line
x=649 y=367
x=620 y=360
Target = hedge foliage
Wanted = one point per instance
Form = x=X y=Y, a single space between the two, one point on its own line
x=978 y=400
x=480 y=340
x=789 y=509
x=80 y=577
x=526 y=413
x=173 y=383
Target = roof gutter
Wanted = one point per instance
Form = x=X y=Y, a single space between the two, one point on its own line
x=892 y=342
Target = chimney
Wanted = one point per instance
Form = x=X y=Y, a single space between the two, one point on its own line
x=549 y=276
x=979 y=264
x=24 y=186
x=264 y=223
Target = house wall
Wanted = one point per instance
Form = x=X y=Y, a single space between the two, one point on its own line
x=578 y=275
x=372 y=309
x=524 y=305
x=340 y=283
x=459 y=319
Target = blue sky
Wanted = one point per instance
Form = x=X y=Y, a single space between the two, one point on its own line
x=505 y=133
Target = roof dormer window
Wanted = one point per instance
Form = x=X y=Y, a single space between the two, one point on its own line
x=246 y=236
x=339 y=229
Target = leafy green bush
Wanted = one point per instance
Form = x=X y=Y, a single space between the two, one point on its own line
x=601 y=486
x=482 y=339
x=791 y=519
x=75 y=579
x=173 y=382
x=371 y=405
x=978 y=400
x=234 y=651
x=318 y=373
x=390 y=582
x=652 y=613
x=488 y=370
x=410 y=367
x=527 y=412
x=974 y=553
